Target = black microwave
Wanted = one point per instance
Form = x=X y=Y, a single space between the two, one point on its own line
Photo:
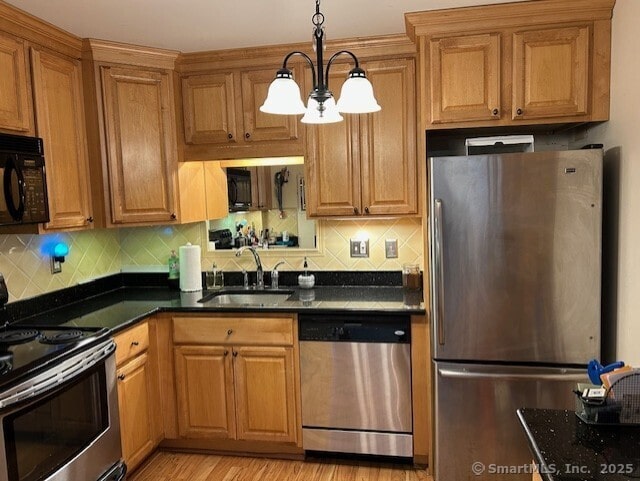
x=239 y=189
x=24 y=185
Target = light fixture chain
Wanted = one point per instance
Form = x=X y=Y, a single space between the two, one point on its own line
x=318 y=18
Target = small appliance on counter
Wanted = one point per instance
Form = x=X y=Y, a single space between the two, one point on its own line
x=221 y=238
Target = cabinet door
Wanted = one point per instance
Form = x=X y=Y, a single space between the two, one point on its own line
x=388 y=140
x=262 y=185
x=209 y=108
x=259 y=126
x=141 y=145
x=332 y=165
x=135 y=401
x=15 y=113
x=265 y=396
x=465 y=78
x=57 y=86
x=551 y=73
x=204 y=383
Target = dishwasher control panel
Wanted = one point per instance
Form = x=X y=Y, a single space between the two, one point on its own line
x=356 y=329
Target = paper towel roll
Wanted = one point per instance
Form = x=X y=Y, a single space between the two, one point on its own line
x=190 y=275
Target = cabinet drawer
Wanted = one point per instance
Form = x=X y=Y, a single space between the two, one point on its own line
x=131 y=342
x=233 y=330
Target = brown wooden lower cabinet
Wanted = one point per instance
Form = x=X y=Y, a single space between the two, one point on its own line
x=134 y=400
x=236 y=392
x=138 y=394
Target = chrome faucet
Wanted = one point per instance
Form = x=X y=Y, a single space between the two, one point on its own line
x=259 y=271
x=275 y=275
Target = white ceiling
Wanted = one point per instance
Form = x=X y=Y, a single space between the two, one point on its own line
x=195 y=25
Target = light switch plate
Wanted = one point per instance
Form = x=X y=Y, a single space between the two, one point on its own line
x=391 y=248
x=359 y=247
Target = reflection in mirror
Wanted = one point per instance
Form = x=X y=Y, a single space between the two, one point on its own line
x=277 y=216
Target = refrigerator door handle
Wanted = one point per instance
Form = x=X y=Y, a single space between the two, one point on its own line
x=439 y=271
x=511 y=376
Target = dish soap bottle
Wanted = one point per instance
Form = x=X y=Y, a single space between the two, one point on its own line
x=306 y=280
x=174 y=270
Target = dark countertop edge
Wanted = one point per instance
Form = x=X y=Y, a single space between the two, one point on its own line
x=253 y=310
x=543 y=469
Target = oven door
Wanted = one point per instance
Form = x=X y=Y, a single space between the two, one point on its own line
x=63 y=424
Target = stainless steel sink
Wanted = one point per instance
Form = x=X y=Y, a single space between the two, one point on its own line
x=246 y=298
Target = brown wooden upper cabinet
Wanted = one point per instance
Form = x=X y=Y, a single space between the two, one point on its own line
x=222 y=110
x=516 y=64
x=141 y=150
x=366 y=165
x=131 y=128
x=16 y=115
x=59 y=106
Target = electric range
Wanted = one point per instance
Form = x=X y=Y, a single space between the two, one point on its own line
x=26 y=351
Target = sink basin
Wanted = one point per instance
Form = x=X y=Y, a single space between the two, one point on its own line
x=246 y=298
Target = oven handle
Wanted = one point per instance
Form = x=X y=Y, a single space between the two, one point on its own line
x=58 y=374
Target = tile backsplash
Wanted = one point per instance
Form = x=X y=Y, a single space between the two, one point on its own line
x=102 y=252
x=26 y=267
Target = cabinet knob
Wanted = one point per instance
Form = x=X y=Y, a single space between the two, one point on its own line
x=229 y=332
x=366 y=210
x=135 y=343
x=229 y=136
x=247 y=135
x=90 y=220
x=121 y=377
x=495 y=112
x=173 y=216
x=226 y=352
x=235 y=353
x=355 y=210
x=519 y=111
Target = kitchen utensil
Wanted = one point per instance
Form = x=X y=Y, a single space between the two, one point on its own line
x=595 y=370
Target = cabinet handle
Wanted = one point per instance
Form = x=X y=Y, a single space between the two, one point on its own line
x=173 y=216
x=90 y=220
x=355 y=210
x=519 y=111
x=495 y=112
x=247 y=135
x=135 y=343
x=226 y=352
x=229 y=136
x=235 y=353
x=229 y=332
x=121 y=377
x=366 y=210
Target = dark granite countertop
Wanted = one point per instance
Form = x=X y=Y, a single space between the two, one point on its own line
x=124 y=306
x=568 y=449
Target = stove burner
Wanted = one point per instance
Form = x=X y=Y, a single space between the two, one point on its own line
x=63 y=337
x=18 y=336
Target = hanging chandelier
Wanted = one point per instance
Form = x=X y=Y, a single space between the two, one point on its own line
x=356 y=96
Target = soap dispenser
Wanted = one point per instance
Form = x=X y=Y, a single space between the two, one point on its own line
x=306 y=280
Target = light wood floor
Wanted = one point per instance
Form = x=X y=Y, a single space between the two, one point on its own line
x=165 y=466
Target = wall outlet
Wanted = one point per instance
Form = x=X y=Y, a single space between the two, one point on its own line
x=391 y=248
x=359 y=247
x=56 y=266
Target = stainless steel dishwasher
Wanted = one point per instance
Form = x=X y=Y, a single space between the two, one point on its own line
x=356 y=384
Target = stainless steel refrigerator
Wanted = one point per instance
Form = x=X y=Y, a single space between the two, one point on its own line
x=515 y=259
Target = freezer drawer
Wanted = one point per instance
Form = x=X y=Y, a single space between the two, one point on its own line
x=476 y=421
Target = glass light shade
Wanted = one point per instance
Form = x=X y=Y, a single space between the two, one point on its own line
x=329 y=115
x=283 y=98
x=356 y=97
